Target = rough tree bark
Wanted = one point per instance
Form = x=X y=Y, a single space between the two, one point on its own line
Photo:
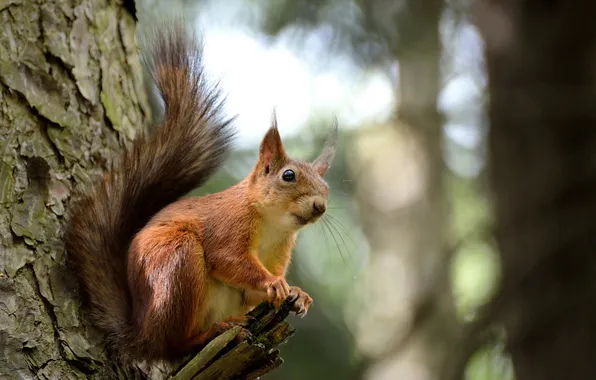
x=71 y=96
x=540 y=60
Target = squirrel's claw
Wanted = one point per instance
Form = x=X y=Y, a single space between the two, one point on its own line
x=293 y=297
x=244 y=336
x=302 y=312
x=301 y=300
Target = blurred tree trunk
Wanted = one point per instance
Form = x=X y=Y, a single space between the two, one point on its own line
x=70 y=95
x=541 y=60
x=409 y=324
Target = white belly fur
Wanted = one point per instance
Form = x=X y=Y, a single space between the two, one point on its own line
x=224 y=302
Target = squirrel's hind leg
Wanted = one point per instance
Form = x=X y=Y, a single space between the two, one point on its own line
x=201 y=340
x=168 y=284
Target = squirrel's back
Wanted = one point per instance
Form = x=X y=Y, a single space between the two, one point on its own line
x=160 y=167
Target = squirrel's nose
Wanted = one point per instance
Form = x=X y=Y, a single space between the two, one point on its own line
x=318 y=208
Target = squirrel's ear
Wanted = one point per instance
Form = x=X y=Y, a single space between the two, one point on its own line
x=272 y=150
x=323 y=162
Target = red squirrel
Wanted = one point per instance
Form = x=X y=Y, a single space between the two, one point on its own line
x=163 y=274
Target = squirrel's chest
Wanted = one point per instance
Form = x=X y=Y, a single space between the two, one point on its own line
x=274 y=249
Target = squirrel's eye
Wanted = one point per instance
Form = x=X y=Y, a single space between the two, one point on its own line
x=288 y=176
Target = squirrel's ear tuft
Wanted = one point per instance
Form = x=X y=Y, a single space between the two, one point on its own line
x=272 y=150
x=323 y=162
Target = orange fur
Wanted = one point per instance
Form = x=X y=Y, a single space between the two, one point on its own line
x=233 y=244
x=164 y=275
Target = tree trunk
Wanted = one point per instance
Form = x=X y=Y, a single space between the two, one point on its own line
x=409 y=323
x=541 y=58
x=71 y=95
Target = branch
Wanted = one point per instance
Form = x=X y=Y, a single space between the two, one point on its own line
x=223 y=359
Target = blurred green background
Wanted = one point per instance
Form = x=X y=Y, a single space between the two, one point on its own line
x=313 y=60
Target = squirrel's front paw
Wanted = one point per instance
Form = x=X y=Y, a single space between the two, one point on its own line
x=302 y=301
x=277 y=291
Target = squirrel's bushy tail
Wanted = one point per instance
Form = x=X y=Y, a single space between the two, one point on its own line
x=160 y=167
